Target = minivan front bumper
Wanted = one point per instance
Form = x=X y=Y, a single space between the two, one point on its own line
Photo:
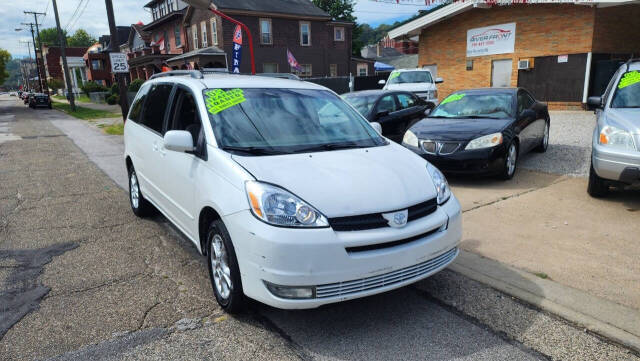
x=319 y=259
x=616 y=165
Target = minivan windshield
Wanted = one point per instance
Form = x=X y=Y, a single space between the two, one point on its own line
x=283 y=121
x=627 y=94
x=418 y=76
x=462 y=105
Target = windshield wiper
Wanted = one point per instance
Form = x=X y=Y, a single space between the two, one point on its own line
x=331 y=146
x=253 y=150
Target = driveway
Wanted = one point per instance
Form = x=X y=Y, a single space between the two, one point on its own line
x=82 y=278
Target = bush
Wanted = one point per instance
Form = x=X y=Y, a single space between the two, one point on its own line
x=113 y=99
x=92 y=87
x=56 y=84
x=115 y=89
x=135 y=85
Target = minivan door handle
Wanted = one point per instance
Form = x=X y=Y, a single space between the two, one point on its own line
x=155 y=146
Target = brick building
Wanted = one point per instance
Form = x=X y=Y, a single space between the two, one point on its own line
x=97 y=58
x=563 y=53
x=320 y=45
x=52 y=59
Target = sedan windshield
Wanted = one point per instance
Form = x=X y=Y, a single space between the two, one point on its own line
x=281 y=121
x=461 y=105
x=627 y=94
x=362 y=103
x=410 y=77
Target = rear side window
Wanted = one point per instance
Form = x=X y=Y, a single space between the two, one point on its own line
x=136 y=107
x=156 y=106
x=406 y=101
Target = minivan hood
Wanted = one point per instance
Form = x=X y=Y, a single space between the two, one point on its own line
x=412 y=87
x=629 y=118
x=457 y=129
x=348 y=182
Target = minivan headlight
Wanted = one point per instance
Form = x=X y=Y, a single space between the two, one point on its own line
x=279 y=207
x=410 y=139
x=440 y=182
x=616 y=137
x=486 y=141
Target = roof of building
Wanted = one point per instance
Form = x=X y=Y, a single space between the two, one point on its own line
x=291 y=7
x=371 y=52
x=442 y=13
x=408 y=61
x=123 y=37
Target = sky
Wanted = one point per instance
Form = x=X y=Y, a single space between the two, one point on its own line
x=93 y=17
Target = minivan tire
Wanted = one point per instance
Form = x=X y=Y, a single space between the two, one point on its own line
x=597 y=187
x=141 y=208
x=234 y=301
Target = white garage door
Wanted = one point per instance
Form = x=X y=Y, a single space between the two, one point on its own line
x=501 y=73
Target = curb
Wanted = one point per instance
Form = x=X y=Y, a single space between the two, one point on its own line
x=610 y=320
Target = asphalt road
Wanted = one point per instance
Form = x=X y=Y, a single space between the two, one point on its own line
x=82 y=278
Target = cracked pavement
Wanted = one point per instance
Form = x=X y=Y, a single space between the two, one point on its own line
x=118 y=287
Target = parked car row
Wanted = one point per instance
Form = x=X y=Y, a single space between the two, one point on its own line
x=36 y=100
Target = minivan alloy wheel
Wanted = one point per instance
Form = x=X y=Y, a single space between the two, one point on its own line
x=220 y=266
x=135 y=191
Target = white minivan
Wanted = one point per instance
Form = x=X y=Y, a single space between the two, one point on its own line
x=418 y=81
x=294 y=198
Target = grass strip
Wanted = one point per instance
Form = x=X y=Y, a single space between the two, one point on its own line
x=85 y=113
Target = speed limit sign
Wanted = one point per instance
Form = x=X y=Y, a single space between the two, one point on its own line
x=119 y=63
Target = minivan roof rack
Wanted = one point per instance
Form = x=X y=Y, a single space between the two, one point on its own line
x=196 y=74
x=631 y=60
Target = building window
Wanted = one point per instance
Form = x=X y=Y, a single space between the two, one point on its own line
x=363 y=69
x=194 y=33
x=305 y=33
x=338 y=34
x=170 y=6
x=96 y=65
x=214 y=31
x=176 y=34
x=203 y=26
x=163 y=9
x=154 y=12
x=167 y=43
x=265 y=31
x=333 y=70
x=270 y=67
x=306 y=70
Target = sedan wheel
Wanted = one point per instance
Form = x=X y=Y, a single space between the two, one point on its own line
x=511 y=161
x=545 y=140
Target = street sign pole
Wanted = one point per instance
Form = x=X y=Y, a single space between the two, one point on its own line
x=115 y=47
x=63 y=43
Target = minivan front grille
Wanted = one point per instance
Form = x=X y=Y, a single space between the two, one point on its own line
x=387 y=279
x=375 y=220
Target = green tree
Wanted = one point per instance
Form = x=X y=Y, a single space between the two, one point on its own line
x=49 y=36
x=342 y=10
x=5 y=58
x=81 y=39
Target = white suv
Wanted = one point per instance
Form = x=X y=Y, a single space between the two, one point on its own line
x=418 y=81
x=294 y=198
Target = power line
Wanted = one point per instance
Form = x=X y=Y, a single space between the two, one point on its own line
x=73 y=15
x=80 y=14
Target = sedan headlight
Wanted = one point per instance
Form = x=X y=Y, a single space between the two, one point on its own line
x=616 y=137
x=278 y=207
x=486 y=141
x=410 y=139
x=440 y=182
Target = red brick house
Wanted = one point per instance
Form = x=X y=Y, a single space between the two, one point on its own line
x=52 y=58
x=97 y=58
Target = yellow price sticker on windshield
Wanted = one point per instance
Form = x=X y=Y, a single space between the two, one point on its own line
x=219 y=100
x=394 y=75
x=629 y=78
x=453 y=98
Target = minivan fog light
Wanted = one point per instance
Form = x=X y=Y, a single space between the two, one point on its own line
x=291 y=292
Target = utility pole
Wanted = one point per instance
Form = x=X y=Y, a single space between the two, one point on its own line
x=27 y=69
x=43 y=81
x=63 y=43
x=35 y=51
x=115 y=48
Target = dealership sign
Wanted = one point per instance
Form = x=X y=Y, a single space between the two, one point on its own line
x=496 y=39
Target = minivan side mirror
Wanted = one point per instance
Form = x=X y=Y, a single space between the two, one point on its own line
x=595 y=101
x=439 y=80
x=382 y=82
x=178 y=141
x=377 y=127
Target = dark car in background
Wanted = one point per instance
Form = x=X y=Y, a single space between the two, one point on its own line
x=481 y=131
x=26 y=97
x=40 y=100
x=396 y=111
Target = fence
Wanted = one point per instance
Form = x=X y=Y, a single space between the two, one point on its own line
x=368 y=82
x=342 y=84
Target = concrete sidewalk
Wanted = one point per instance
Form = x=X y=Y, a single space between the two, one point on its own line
x=104 y=107
x=614 y=321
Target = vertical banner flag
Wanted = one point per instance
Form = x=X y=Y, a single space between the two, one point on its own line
x=237 y=50
x=292 y=61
